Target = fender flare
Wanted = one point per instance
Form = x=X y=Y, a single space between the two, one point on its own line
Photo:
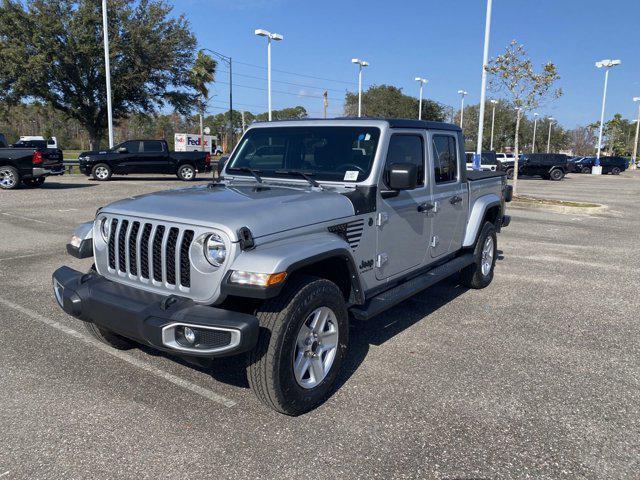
x=480 y=207
x=289 y=256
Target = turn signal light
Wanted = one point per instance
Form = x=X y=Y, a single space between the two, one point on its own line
x=257 y=279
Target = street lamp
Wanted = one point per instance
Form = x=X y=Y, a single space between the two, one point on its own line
x=606 y=64
x=493 y=121
x=270 y=36
x=462 y=94
x=422 y=82
x=535 y=124
x=551 y=120
x=483 y=86
x=635 y=143
x=229 y=63
x=107 y=71
x=361 y=64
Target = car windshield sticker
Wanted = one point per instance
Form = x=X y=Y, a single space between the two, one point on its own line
x=351 y=175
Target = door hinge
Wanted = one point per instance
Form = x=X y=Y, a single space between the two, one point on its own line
x=381 y=259
x=434 y=241
x=382 y=218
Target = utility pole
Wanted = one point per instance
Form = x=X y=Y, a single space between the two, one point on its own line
x=551 y=119
x=635 y=142
x=422 y=82
x=107 y=70
x=493 y=121
x=325 y=102
x=606 y=64
x=535 y=124
x=483 y=86
x=361 y=64
x=462 y=93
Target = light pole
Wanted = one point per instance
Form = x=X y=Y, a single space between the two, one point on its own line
x=606 y=64
x=551 y=120
x=535 y=124
x=635 y=142
x=270 y=36
x=462 y=93
x=422 y=82
x=107 y=71
x=361 y=64
x=229 y=63
x=493 y=121
x=483 y=86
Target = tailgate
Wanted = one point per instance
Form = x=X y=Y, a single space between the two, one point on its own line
x=52 y=156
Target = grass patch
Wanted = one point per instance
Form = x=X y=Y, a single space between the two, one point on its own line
x=548 y=201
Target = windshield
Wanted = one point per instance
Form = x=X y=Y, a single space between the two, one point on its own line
x=336 y=154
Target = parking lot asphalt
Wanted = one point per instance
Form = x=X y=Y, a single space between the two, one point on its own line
x=536 y=376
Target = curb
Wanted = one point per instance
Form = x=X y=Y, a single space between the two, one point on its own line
x=566 y=209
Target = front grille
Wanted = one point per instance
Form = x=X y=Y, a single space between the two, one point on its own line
x=150 y=251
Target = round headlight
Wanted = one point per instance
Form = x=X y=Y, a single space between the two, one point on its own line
x=105 y=227
x=214 y=250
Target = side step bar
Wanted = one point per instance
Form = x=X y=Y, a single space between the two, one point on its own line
x=392 y=297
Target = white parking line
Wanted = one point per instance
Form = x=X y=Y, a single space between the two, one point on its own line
x=27 y=218
x=131 y=360
x=21 y=256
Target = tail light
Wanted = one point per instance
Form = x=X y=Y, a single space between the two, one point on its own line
x=207 y=159
x=37 y=158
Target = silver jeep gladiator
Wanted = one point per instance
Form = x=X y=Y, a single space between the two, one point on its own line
x=311 y=223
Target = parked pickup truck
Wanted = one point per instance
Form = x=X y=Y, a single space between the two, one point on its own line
x=143 y=156
x=313 y=222
x=28 y=163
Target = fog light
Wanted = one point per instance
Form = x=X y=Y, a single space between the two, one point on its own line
x=58 y=289
x=189 y=335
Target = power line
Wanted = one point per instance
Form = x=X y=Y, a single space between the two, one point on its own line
x=297 y=74
x=286 y=83
x=279 y=91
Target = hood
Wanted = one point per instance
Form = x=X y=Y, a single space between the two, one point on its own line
x=265 y=209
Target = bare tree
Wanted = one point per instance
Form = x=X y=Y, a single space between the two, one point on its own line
x=513 y=73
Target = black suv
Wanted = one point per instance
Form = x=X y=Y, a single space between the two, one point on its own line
x=612 y=165
x=550 y=166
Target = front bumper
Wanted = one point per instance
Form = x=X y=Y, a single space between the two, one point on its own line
x=153 y=319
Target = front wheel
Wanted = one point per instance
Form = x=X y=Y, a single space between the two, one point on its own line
x=615 y=171
x=101 y=172
x=34 y=182
x=186 y=173
x=586 y=170
x=304 y=333
x=9 y=178
x=510 y=173
x=480 y=273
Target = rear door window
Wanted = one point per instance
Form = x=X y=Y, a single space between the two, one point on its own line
x=445 y=158
x=153 y=146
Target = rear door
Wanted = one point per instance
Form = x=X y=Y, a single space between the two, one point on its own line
x=449 y=194
x=152 y=157
x=403 y=231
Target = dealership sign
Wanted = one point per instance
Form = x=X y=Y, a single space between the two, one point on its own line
x=187 y=142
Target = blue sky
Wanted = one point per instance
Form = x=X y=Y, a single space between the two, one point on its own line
x=439 y=40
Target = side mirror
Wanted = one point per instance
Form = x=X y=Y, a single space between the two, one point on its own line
x=402 y=176
x=123 y=150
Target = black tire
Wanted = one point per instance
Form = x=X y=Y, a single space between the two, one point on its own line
x=270 y=368
x=586 y=170
x=615 y=171
x=472 y=276
x=108 y=337
x=556 y=175
x=101 y=172
x=186 y=172
x=33 y=182
x=510 y=173
x=9 y=178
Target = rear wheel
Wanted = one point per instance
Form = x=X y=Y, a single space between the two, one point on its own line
x=302 y=343
x=101 y=172
x=108 y=337
x=34 y=182
x=586 y=170
x=480 y=273
x=556 y=174
x=186 y=173
x=9 y=178
x=510 y=173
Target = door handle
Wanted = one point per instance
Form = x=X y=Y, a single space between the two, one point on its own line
x=426 y=207
x=455 y=199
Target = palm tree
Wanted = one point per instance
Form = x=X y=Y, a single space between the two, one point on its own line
x=203 y=72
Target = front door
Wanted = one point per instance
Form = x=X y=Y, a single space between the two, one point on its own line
x=449 y=195
x=403 y=228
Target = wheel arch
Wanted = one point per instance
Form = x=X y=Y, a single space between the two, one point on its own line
x=485 y=208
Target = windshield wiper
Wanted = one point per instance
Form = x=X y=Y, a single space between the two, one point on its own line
x=253 y=172
x=300 y=173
